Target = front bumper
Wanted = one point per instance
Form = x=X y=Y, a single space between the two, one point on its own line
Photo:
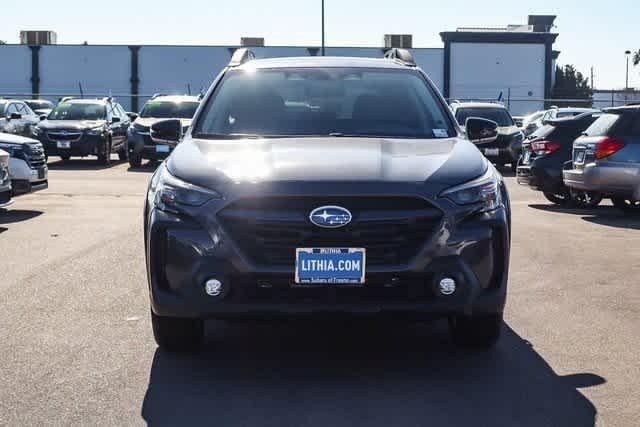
x=608 y=178
x=141 y=144
x=182 y=253
x=5 y=198
x=27 y=179
x=508 y=154
x=87 y=145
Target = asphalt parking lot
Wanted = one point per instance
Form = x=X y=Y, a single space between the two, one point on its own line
x=77 y=346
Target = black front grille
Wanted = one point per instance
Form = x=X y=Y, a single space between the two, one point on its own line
x=35 y=157
x=64 y=135
x=391 y=229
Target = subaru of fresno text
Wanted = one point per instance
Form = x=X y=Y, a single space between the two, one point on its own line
x=160 y=107
x=325 y=187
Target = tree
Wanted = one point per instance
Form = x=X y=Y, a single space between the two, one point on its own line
x=636 y=58
x=571 y=84
x=3 y=42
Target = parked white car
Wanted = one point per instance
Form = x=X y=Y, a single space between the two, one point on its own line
x=17 y=118
x=536 y=120
x=27 y=163
x=5 y=181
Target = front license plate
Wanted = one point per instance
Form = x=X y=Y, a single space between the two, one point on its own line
x=492 y=152
x=344 y=266
x=63 y=144
x=41 y=173
x=162 y=148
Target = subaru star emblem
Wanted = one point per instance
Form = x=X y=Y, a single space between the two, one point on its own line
x=330 y=217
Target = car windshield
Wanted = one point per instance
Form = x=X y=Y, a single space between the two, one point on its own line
x=498 y=115
x=169 y=110
x=77 y=111
x=324 y=102
x=38 y=105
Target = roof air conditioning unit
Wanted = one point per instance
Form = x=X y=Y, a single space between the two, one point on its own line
x=252 y=41
x=404 y=41
x=38 y=37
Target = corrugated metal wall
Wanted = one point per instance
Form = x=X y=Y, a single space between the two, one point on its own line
x=171 y=69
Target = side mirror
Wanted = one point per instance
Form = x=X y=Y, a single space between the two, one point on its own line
x=481 y=130
x=133 y=116
x=43 y=117
x=115 y=120
x=166 y=131
x=15 y=116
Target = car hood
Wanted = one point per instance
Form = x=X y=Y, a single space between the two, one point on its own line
x=7 y=138
x=147 y=122
x=209 y=162
x=70 y=124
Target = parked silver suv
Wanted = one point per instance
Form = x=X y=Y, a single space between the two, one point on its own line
x=606 y=158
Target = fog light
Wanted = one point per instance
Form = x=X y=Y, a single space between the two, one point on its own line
x=213 y=287
x=447 y=286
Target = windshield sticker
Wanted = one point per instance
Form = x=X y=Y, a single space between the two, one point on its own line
x=440 y=133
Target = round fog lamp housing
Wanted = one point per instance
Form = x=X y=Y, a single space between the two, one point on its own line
x=213 y=287
x=447 y=286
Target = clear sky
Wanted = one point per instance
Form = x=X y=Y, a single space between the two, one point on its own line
x=592 y=33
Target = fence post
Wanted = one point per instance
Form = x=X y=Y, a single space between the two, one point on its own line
x=35 y=71
x=135 y=77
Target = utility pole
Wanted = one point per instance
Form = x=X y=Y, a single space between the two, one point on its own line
x=592 y=85
x=323 y=28
x=626 y=85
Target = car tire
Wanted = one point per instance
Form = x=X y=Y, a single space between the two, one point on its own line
x=561 y=198
x=626 y=205
x=479 y=331
x=177 y=334
x=585 y=199
x=104 y=158
x=135 y=159
x=65 y=157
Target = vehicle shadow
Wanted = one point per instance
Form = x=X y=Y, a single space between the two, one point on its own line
x=11 y=216
x=148 y=167
x=602 y=215
x=570 y=210
x=280 y=375
x=618 y=221
x=82 y=164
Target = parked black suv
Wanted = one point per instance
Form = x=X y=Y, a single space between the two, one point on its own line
x=326 y=187
x=160 y=107
x=544 y=155
x=85 y=127
x=507 y=148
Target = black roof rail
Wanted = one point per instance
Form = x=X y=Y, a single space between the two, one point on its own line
x=402 y=56
x=240 y=56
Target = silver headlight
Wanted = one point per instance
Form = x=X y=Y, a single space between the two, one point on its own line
x=483 y=191
x=168 y=193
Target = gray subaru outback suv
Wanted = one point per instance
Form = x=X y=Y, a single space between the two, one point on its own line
x=326 y=187
x=606 y=158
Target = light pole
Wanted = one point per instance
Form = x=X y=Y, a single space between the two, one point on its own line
x=323 y=29
x=627 y=53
